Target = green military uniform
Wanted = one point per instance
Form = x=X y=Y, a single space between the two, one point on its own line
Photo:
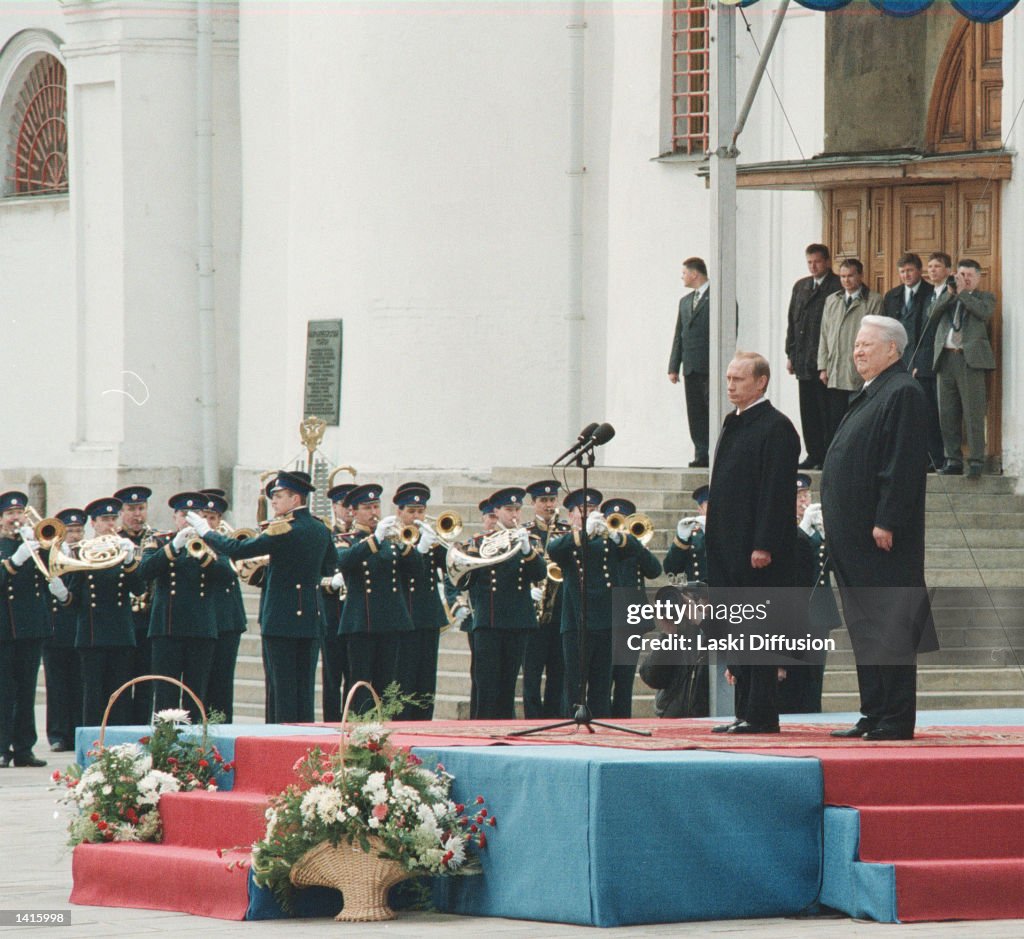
x=291 y=614
x=636 y=570
x=140 y=695
x=688 y=552
x=543 y=658
x=605 y=571
x=182 y=623
x=376 y=615
x=503 y=616
x=24 y=626
x=334 y=678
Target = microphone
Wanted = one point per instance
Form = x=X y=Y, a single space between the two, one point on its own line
x=583 y=438
x=602 y=435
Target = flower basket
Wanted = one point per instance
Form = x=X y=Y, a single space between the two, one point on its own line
x=141 y=678
x=363 y=879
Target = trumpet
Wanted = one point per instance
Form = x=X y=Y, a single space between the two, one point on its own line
x=447 y=526
x=637 y=525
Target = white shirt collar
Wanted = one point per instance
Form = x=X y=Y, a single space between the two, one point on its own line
x=760 y=400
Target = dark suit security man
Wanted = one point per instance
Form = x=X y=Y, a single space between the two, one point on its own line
x=690 y=354
x=291 y=616
x=24 y=625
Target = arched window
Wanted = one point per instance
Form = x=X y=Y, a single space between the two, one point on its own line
x=39 y=131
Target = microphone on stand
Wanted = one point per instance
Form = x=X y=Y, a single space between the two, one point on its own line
x=581 y=440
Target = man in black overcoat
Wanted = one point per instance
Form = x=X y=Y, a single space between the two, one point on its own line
x=873 y=504
x=751 y=538
x=802 y=335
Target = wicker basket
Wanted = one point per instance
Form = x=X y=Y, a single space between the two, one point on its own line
x=141 y=678
x=364 y=879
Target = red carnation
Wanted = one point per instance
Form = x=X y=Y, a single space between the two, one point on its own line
x=95 y=817
x=380 y=811
x=144 y=740
x=204 y=763
x=56 y=775
x=473 y=828
x=482 y=840
x=492 y=821
x=459 y=807
x=483 y=813
x=479 y=800
x=101 y=824
x=328 y=778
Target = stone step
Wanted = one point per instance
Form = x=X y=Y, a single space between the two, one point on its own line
x=944 y=518
x=959 y=657
x=957 y=577
x=969 y=680
x=934 y=700
x=974 y=537
x=609 y=478
x=985 y=559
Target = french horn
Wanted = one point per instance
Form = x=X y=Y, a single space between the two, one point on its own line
x=494 y=548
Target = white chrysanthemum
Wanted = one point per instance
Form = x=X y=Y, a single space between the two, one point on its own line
x=375 y=781
x=155 y=783
x=374 y=823
x=426 y=815
x=457 y=845
x=403 y=794
x=144 y=762
x=172 y=716
x=271 y=823
x=86 y=798
x=107 y=789
x=321 y=801
x=363 y=733
x=125 y=832
x=437 y=793
x=352 y=811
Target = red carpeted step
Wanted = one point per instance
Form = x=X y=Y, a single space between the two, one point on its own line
x=159 y=877
x=213 y=819
x=948 y=776
x=896 y=833
x=959 y=889
x=266 y=764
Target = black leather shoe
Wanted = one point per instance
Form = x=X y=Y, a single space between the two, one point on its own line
x=698 y=464
x=858 y=730
x=974 y=471
x=746 y=728
x=725 y=728
x=809 y=463
x=888 y=733
x=29 y=759
x=59 y=747
x=952 y=469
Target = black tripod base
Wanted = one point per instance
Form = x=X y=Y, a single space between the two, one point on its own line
x=581 y=718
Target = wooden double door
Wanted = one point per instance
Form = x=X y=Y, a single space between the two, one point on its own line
x=877 y=224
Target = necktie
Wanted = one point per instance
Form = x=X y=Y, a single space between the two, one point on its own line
x=848 y=301
x=958 y=317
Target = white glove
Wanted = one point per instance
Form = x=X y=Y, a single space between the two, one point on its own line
x=812 y=518
x=427 y=540
x=686 y=528
x=127 y=545
x=385 y=527
x=461 y=614
x=24 y=551
x=616 y=537
x=200 y=524
x=27 y=532
x=178 y=541
x=595 y=524
x=537 y=594
x=57 y=588
x=338 y=581
x=524 y=542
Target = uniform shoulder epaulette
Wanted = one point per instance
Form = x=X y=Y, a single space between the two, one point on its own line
x=279 y=526
x=151 y=543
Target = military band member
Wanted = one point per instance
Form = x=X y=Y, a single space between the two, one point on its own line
x=800 y=691
x=135 y=527
x=606 y=552
x=291 y=614
x=636 y=571
x=417 y=655
x=230 y=620
x=488 y=523
x=503 y=609
x=375 y=618
x=105 y=631
x=61 y=664
x=687 y=554
x=182 y=624
x=24 y=625
x=543 y=656
x=334 y=661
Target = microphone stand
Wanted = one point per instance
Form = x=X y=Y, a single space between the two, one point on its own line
x=582 y=717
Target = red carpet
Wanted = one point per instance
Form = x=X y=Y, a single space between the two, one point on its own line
x=947 y=810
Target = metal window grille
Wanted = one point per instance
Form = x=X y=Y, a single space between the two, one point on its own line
x=40 y=131
x=691 y=70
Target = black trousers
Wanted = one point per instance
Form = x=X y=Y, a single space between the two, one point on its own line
x=269 y=711
x=756 y=693
x=63 y=694
x=187 y=658
x=837 y=404
x=19 y=671
x=936 y=450
x=543 y=657
x=220 y=687
x=104 y=670
x=497 y=658
x=888 y=695
x=292 y=676
x=813 y=417
x=697 y=388
x=372 y=657
x=597 y=666
x=333 y=676
x=417 y=671
x=472 y=677
x=800 y=692
x=622 y=690
x=141 y=695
